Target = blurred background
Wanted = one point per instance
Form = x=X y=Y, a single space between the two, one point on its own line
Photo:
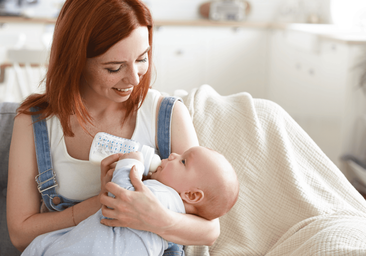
x=309 y=56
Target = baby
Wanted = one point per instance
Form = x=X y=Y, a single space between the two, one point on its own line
x=204 y=180
x=200 y=181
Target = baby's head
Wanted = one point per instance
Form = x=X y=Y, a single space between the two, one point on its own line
x=205 y=180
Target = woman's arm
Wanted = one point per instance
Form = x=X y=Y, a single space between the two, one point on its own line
x=25 y=222
x=139 y=209
x=142 y=211
x=183 y=134
x=186 y=228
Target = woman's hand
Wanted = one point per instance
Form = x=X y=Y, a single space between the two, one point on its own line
x=141 y=210
x=137 y=209
x=106 y=172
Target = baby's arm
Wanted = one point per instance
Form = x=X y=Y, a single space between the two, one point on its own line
x=121 y=174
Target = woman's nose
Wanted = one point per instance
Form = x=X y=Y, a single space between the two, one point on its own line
x=132 y=76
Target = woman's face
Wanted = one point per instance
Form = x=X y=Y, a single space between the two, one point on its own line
x=114 y=74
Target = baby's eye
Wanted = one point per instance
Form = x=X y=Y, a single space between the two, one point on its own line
x=183 y=161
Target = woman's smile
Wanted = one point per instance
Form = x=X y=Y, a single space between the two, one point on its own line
x=123 y=92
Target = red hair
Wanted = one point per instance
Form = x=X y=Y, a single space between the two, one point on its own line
x=87 y=29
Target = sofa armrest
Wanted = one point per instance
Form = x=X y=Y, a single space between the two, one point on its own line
x=7 y=114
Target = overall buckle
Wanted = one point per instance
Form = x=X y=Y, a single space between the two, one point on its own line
x=40 y=183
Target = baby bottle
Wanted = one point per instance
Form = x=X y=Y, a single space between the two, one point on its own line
x=105 y=144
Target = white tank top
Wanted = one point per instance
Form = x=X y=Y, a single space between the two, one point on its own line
x=80 y=179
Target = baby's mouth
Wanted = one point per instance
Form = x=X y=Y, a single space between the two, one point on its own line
x=156 y=171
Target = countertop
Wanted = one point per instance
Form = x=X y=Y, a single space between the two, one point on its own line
x=327 y=31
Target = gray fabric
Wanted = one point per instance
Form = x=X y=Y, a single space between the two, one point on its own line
x=7 y=113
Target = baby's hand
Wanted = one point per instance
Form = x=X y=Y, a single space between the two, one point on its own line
x=132 y=155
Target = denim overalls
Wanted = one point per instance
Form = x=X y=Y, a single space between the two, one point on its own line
x=46 y=178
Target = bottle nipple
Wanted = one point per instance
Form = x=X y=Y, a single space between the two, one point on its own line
x=155 y=162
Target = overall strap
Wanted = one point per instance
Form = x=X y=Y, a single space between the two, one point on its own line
x=46 y=178
x=164 y=125
x=164 y=144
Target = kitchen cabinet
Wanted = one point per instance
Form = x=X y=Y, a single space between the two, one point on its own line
x=310 y=77
x=179 y=58
x=353 y=132
x=307 y=81
x=237 y=60
x=230 y=60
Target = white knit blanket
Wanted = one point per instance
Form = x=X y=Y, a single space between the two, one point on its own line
x=293 y=199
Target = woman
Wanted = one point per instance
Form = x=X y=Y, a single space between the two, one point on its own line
x=98 y=80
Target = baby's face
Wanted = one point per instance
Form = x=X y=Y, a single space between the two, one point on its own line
x=185 y=171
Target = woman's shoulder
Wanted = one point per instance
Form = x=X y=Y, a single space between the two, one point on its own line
x=22 y=134
x=22 y=121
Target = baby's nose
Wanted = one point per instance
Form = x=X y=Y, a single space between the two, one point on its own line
x=172 y=156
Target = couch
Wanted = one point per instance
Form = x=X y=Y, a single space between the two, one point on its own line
x=293 y=199
x=7 y=114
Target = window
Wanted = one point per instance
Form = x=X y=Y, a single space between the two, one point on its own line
x=349 y=13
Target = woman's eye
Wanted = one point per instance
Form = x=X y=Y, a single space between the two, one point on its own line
x=114 y=70
x=143 y=60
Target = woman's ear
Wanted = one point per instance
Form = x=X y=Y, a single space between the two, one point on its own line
x=193 y=196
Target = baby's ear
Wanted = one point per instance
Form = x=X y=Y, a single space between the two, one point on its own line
x=192 y=196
